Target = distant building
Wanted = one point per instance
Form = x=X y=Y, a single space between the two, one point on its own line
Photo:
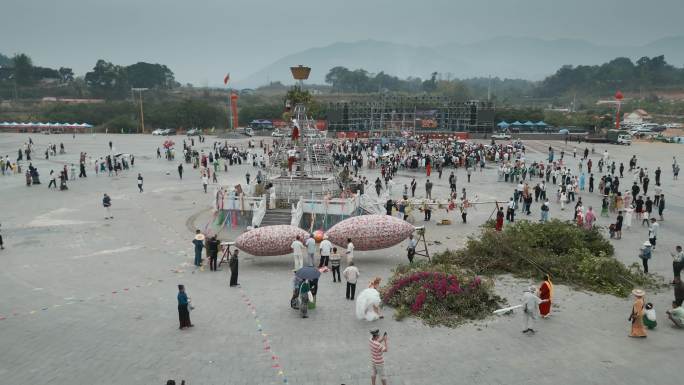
x=52 y=99
x=636 y=117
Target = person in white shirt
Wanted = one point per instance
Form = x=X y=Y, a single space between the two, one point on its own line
x=518 y=191
x=390 y=186
x=310 y=250
x=298 y=251
x=205 y=182
x=653 y=232
x=350 y=251
x=325 y=249
x=351 y=274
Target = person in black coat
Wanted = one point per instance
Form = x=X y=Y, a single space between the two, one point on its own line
x=388 y=206
x=618 y=225
x=212 y=252
x=233 y=263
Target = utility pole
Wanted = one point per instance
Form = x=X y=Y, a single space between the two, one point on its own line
x=142 y=114
x=489 y=89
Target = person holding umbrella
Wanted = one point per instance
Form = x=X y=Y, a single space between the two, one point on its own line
x=309 y=275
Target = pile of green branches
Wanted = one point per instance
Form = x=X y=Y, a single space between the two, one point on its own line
x=572 y=255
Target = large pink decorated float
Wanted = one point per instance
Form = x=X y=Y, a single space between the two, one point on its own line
x=269 y=240
x=368 y=232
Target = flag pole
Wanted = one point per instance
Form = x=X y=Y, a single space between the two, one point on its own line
x=230 y=110
x=226 y=80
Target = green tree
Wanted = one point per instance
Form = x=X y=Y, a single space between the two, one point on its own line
x=430 y=85
x=23 y=69
x=146 y=75
x=108 y=80
x=5 y=61
x=338 y=77
x=296 y=96
x=66 y=74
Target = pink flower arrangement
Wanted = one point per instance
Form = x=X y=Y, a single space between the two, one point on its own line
x=438 y=284
x=420 y=300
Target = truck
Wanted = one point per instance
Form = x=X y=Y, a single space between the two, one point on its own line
x=619 y=137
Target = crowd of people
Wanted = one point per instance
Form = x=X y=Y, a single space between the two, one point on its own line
x=629 y=199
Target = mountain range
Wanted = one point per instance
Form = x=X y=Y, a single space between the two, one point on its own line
x=504 y=57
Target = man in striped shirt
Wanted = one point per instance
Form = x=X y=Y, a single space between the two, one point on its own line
x=378 y=346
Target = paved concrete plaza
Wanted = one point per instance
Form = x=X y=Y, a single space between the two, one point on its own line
x=93 y=301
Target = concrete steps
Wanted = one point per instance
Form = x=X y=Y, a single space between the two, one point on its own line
x=276 y=217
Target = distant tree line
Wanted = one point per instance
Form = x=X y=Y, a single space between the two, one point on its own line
x=106 y=80
x=21 y=71
x=618 y=74
x=343 y=80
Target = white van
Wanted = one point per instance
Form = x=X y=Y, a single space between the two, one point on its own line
x=624 y=139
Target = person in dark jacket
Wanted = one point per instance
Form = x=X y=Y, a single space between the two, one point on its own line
x=389 y=205
x=183 y=308
x=234 y=269
x=199 y=245
x=107 y=204
x=212 y=252
x=661 y=206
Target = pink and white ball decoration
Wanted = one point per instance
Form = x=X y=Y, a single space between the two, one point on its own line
x=269 y=240
x=370 y=232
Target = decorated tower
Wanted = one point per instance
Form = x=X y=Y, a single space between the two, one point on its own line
x=301 y=164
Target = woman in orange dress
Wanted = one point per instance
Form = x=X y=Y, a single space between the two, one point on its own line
x=546 y=293
x=637 y=315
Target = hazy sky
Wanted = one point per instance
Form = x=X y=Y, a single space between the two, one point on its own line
x=201 y=40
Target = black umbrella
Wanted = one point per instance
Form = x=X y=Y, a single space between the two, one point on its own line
x=308 y=272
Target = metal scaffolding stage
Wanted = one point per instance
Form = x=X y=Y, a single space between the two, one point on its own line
x=387 y=116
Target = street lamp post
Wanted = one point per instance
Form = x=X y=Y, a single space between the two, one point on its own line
x=142 y=114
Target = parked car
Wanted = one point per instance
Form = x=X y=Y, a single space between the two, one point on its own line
x=277 y=134
x=169 y=131
x=158 y=131
x=193 y=132
x=640 y=131
x=501 y=135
